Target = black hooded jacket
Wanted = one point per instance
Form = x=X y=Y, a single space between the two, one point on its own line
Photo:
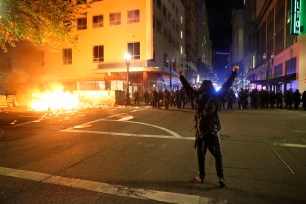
x=206 y=102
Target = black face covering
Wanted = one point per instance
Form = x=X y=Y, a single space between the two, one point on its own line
x=207 y=87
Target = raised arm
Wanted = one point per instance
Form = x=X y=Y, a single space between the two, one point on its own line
x=189 y=90
x=228 y=83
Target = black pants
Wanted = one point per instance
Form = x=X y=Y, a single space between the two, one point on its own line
x=212 y=143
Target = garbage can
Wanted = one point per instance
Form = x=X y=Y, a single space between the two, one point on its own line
x=119 y=97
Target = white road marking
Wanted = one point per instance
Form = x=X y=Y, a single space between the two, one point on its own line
x=117 y=190
x=139 y=109
x=126 y=119
x=299 y=131
x=292 y=172
x=290 y=145
x=158 y=127
x=127 y=134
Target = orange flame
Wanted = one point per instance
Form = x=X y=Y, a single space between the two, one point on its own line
x=56 y=99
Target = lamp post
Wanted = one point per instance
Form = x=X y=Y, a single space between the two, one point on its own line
x=127 y=58
x=269 y=59
x=168 y=65
x=172 y=66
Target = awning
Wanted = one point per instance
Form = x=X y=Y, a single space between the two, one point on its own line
x=276 y=80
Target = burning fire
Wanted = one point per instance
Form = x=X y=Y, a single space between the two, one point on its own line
x=55 y=99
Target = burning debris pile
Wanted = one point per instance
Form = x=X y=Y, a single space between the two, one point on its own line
x=56 y=99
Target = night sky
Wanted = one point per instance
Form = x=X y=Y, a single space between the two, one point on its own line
x=219 y=22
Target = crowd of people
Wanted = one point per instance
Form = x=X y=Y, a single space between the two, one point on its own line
x=243 y=99
x=167 y=98
x=269 y=99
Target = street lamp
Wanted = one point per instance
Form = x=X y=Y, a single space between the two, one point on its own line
x=170 y=66
x=269 y=59
x=127 y=58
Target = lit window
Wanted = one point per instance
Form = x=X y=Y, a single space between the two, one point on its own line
x=133 y=16
x=98 y=53
x=134 y=50
x=67 y=56
x=97 y=21
x=115 y=19
x=82 y=23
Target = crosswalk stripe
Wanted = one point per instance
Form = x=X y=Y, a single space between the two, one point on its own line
x=118 y=190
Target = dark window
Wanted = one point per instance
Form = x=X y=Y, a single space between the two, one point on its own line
x=81 y=1
x=97 y=21
x=291 y=66
x=133 y=16
x=278 y=70
x=82 y=23
x=158 y=4
x=165 y=33
x=67 y=56
x=159 y=26
x=98 y=53
x=134 y=50
x=115 y=19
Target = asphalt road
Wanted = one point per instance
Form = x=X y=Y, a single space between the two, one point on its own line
x=145 y=155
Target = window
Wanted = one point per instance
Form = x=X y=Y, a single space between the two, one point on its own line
x=290 y=66
x=81 y=1
x=165 y=33
x=98 y=53
x=159 y=4
x=67 y=56
x=82 y=23
x=97 y=21
x=278 y=70
x=134 y=50
x=114 y=19
x=165 y=11
x=133 y=16
x=159 y=26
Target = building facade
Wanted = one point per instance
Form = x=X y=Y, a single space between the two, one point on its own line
x=204 y=57
x=151 y=31
x=191 y=42
x=275 y=44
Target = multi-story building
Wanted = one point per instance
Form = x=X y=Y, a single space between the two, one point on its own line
x=151 y=31
x=204 y=58
x=191 y=42
x=275 y=43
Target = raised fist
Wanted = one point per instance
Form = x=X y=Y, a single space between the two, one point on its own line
x=235 y=68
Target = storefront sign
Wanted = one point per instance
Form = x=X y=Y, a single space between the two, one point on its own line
x=295 y=17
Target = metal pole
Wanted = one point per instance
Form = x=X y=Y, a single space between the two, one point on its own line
x=268 y=69
x=171 y=77
x=127 y=57
x=128 y=84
